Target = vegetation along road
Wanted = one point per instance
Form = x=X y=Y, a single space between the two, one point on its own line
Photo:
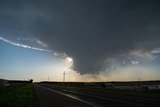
x=18 y=95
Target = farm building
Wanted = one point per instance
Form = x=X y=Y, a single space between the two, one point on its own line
x=138 y=85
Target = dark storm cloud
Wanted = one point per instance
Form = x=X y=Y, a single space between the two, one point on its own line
x=89 y=31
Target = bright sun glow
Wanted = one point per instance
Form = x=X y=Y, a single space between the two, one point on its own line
x=69 y=59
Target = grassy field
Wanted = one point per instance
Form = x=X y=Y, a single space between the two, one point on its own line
x=18 y=95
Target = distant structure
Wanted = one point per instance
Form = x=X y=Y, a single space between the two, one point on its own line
x=64 y=76
x=137 y=85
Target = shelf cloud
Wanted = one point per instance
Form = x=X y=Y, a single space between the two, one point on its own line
x=88 y=31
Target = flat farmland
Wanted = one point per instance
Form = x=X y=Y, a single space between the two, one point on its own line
x=18 y=95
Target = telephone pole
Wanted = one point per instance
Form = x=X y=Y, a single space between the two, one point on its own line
x=64 y=76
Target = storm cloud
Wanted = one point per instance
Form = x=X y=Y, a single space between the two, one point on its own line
x=89 y=31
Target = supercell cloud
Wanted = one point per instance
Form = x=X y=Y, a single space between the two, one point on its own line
x=93 y=33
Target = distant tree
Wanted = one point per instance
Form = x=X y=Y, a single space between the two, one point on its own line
x=31 y=80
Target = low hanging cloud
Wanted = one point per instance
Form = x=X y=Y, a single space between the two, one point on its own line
x=89 y=31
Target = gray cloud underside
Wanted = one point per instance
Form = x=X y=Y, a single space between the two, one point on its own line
x=87 y=30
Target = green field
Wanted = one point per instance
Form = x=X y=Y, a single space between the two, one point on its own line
x=18 y=95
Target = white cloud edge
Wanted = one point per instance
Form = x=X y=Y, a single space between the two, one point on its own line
x=22 y=45
x=57 y=54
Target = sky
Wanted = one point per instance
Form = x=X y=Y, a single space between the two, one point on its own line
x=91 y=40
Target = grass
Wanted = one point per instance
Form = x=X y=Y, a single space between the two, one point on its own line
x=18 y=95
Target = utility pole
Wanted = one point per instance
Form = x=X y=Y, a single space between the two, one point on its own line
x=64 y=76
x=139 y=86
